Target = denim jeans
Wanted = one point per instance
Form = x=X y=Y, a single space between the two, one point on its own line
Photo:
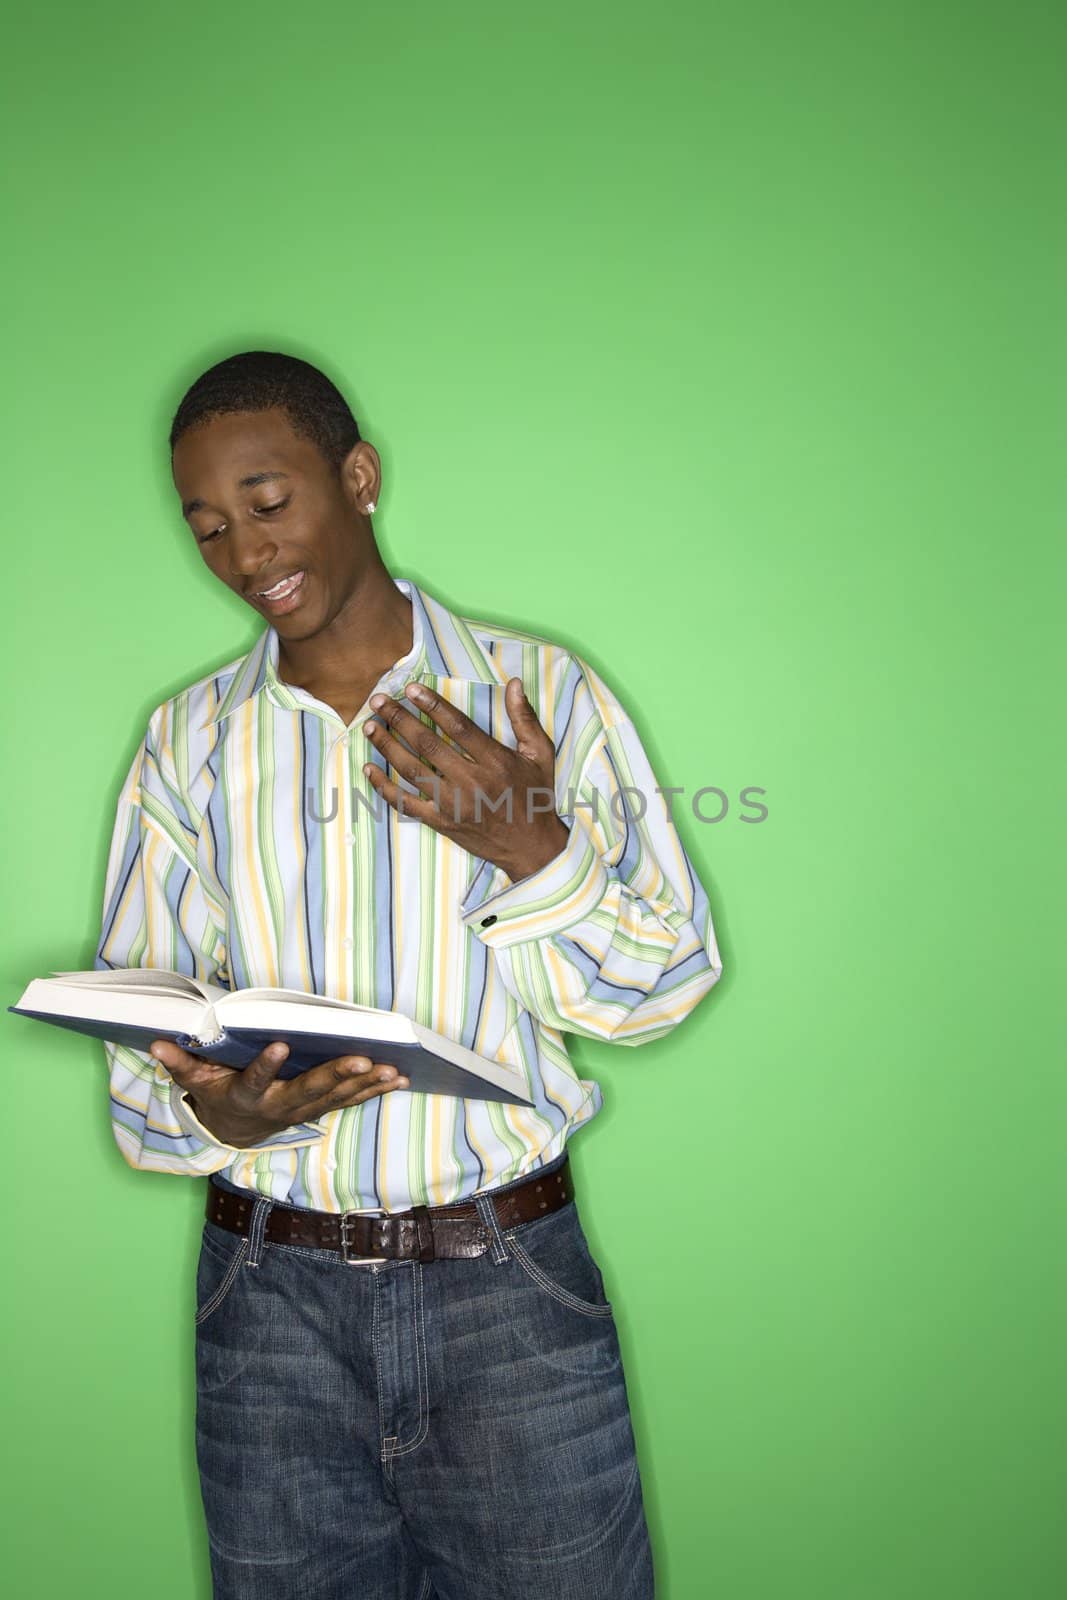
x=451 y=1430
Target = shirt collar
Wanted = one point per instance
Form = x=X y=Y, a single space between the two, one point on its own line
x=443 y=645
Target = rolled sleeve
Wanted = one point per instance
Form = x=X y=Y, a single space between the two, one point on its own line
x=299 y=1134
x=613 y=937
x=560 y=894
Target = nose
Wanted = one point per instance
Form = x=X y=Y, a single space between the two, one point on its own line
x=250 y=549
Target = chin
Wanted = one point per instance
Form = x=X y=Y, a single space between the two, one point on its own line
x=294 y=627
x=302 y=623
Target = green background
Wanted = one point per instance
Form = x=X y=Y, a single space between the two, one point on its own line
x=724 y=344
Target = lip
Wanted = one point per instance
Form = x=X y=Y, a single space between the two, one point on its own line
x=285 y=602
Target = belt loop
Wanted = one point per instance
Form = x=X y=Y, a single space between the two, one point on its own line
x=487 y=1212
x=260 y=1213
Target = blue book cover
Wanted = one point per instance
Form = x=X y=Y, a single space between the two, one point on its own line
x=135 y=1006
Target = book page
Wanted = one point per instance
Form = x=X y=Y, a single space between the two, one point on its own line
x=141 y=980
x=167 y=1011
x=292 y=1012
x=300 y=997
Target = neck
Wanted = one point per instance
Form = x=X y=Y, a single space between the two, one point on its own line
x=373 y=630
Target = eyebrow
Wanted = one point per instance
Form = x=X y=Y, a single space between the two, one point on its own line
x=189 y=506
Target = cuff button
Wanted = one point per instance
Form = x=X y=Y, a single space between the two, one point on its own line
x=487 y=922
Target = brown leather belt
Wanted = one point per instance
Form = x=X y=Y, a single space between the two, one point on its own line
x=421 y=1234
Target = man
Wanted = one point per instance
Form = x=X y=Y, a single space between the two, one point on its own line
x=408 y=1375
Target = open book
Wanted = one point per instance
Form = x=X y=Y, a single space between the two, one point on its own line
x=134 y=1005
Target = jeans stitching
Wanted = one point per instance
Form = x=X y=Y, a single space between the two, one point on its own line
x=327 y=1257
x=564 y=1296
x=224 y=1287
x=376 y=1344
x=421 y=1367
x=257 y=1232
x=582 y=1542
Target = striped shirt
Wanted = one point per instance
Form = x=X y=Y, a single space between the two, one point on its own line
x=250 y=848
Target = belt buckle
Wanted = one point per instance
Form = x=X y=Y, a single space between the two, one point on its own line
x=342 y=1229
x=423 y=1233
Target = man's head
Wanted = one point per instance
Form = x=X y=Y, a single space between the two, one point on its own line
x=275 y=481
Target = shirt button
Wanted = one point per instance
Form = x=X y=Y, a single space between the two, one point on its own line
x=350 y=838
x=487 y=922
x=347 y=943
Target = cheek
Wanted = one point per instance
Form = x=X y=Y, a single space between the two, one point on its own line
x=215 y=561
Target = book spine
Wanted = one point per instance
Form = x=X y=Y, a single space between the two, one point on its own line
x=224 y=1050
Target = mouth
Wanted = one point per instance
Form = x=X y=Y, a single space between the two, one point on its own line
x=286 y=593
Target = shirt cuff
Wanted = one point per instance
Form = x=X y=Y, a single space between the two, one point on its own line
x=556 y=897
x=302 y=1133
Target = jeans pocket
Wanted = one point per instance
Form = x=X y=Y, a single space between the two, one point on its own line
x=555 y=1255
x=218 y=1268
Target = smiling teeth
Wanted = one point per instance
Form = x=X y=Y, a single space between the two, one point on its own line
x=283 y=587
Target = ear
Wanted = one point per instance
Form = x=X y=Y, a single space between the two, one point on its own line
x=361 y=476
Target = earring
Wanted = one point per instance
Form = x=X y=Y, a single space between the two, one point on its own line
x=370 y=506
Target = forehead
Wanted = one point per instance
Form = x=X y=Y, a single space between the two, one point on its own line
x=212 y=456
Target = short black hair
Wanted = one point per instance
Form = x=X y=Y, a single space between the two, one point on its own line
x=255 y=380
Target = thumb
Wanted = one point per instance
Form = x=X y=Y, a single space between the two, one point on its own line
x=523 y=717
x=187 y=1070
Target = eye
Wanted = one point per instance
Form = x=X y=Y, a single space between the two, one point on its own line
x=260 y=511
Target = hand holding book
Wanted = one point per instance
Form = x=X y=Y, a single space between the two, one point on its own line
x=240 y=1108
x=231 y=1031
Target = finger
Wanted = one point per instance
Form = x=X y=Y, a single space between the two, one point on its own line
x=424 y=739
x=311 y=1086
x=421 y=772
x=421 y=754
x=380 y=1081
x=473 y=741
x=408 y=805
x=469 y=738
x=330 y=1081
x=258 y=1076
x=378 y=1076
x=385 y=1086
